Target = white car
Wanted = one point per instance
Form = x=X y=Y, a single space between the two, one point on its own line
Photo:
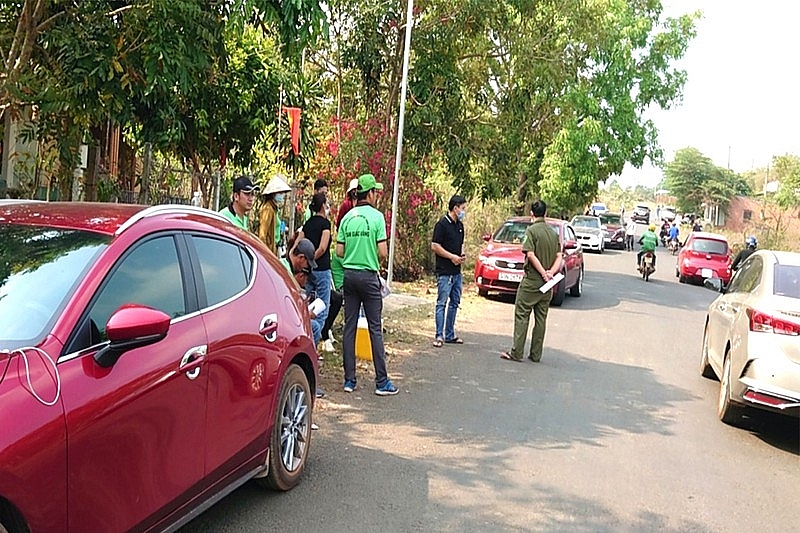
x=752 y=337
x=589 y=231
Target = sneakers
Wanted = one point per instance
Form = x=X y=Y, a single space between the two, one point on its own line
x=330 y=337
x=387 y=389
x=327 y=346
x=349 y=385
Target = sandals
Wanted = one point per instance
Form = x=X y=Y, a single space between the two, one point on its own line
x=457 y=340
x=437 y=343
x=508 y=357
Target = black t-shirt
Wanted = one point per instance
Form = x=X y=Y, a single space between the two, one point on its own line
x=312 y=230
x=450 y=235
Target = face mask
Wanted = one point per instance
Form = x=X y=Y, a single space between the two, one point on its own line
x=279 y=198
x=327 y=211
x=461 y=215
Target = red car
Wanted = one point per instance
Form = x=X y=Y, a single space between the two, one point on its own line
x=151 y=361
x=704 y=255
x=500 y=265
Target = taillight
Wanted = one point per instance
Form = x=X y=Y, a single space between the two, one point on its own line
x=769 y=324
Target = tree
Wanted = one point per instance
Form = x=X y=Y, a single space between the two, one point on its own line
x=787 y=172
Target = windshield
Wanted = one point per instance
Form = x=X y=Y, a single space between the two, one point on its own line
x=39 y=268
x=586 y=222
x=709 y=246
x=787 y=281
x=611 y=220
x=512 y=232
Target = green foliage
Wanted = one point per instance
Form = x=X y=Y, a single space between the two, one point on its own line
x=694 y=180
x=787 y=172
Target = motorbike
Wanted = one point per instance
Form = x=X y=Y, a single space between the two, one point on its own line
x=647 y=267
x=673 y=246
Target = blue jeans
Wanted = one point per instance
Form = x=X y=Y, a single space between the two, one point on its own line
x=321 y=284
x=448 y=288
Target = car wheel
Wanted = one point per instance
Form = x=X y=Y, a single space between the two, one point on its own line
x=681 y=279
x=727 y=411
x=291 y=433
x=560 y=291
x=577 y=289
x=705 y=368
x=483 y=292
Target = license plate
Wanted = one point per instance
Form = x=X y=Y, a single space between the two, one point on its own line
x=707 y=273
x=505 y=276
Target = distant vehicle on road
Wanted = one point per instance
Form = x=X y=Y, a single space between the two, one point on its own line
x=590 y=232
x=614 y=228
x=704 y=255
x=752 y=337
x=668 y=213
x=641 y=214
x=501 y=264
x=598 y=208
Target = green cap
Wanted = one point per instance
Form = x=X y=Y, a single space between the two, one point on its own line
x=367 y=182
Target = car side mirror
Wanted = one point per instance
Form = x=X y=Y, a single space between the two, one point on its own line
x=571 y=245
x=131 y=326
x=714 y=284
x=487 y=237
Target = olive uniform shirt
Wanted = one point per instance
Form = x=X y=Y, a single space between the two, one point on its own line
x=543 y=242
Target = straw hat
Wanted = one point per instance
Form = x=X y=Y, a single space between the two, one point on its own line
x=275 y=185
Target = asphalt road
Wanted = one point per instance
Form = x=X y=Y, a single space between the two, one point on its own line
x=614 y=431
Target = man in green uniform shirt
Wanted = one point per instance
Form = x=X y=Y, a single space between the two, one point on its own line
x=649 y=242
x=241 y=203
x=542 y=252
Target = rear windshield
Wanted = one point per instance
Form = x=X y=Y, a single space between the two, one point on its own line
x=709 y=246
x=39 y=269
x=787 y=281
x=613 y=220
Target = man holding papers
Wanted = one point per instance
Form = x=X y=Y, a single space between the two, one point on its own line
x=542 y=263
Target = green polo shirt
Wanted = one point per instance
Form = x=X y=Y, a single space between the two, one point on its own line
x=228 y=213
x=649 y=241
x=543 y=242
x=360 y=231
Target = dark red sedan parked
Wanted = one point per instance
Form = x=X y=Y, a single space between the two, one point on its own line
x=151 y=360
x=500 y=265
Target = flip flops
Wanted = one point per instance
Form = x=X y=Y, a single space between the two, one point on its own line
x=457 y=340
x=437 y=343
x=508 y=357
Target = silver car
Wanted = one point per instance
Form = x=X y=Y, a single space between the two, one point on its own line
x=590 y=233
x=752 y=337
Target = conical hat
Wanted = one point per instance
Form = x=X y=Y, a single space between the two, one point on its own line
x=276 y=184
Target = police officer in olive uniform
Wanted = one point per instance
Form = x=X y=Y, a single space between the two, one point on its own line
x=542 y=261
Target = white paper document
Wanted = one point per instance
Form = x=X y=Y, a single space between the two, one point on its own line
x=316 y=306
x=552 y=283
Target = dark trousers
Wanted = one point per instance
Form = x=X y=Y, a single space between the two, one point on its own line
x=363 y=287
x=336 y=306
x=530 y=300
x=639 y=258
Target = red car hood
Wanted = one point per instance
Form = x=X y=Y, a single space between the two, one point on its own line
x=512 y=252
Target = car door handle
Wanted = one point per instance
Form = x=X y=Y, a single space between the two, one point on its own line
x=722 y=307
x=192 y=360
x=269 y=327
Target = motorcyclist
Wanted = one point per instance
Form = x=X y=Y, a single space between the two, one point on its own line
x=664 y=231
x=649 y=241
x=750 y=245
x=674 y=231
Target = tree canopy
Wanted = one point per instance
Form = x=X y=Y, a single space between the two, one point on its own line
x=694 y=180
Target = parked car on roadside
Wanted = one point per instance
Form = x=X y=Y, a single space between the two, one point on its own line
x=704 y=255
x=501 y=264
x=590 y=232
x=151 y=361
x=751 y=340
x=614 y=228
x=641 y=214
x=667 y=213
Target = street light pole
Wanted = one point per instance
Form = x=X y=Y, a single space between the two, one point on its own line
x=399 y=151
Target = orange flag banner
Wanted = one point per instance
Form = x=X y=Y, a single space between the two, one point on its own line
x=293 y=113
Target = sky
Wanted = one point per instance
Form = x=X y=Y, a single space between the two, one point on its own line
x=741 y=103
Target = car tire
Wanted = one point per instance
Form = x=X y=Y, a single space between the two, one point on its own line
x=558 y=294
x=727 y=411
x=10 y=521
x=291 y=432
x=681 y=278
x=577 y=289
x=705 y=367
x=483 y=292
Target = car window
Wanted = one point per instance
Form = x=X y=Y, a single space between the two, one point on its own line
x=511 y=231
x=226 y=268
x=787 y=281
x=571 y=234
x=709 y=246
x=149 y=274
x=39 y=269
x=613 y=220
x=748 y=276
x=586 y=222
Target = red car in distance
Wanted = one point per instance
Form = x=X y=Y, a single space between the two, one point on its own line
x=500 y=265
x=704 y=255
x=151 y=361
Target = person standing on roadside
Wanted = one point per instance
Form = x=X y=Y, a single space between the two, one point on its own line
x=317 y=229
x=361 y=243
x=630 y=233
x=241 y=202
x=349 y=201
x=448 y=245
x=269 y=227
x=542 y=261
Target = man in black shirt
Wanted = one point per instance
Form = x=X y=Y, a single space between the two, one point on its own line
x=448 y=245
